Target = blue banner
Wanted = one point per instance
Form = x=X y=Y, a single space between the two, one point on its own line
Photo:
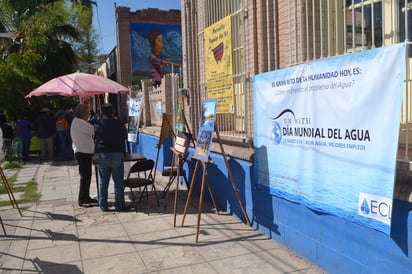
x=326 y=133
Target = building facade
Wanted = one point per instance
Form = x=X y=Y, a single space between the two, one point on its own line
x=271 y=35
x=134 y=48
x=267 y=36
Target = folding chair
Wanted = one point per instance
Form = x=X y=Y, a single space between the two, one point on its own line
x=140 y=175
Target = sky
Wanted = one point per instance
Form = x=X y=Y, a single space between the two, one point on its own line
x=104 y=21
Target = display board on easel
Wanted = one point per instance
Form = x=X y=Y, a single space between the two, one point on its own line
x=165 y=132
x=180 y=118
x=206 y=128
x=135 y=110
x=166 y=129
x=201 y=156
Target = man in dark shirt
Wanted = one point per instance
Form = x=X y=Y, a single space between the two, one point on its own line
x=45 y=128
x=110 y=137
x=8 y=135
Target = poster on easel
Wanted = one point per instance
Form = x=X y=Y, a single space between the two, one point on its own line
x=166 y=129
x=206 y=128
x=135 y=109
x=180 y=121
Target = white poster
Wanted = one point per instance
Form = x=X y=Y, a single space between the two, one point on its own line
x=326 y=133
x=135 y=109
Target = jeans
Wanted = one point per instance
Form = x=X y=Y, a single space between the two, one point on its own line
x=7 y=148
x=47 y=148
x=85 y=171
x=64 y=148
x=26 y=149
x=111 y=165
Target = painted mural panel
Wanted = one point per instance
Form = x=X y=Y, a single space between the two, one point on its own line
x=156 y=49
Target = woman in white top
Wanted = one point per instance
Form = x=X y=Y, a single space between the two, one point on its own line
x=82 y=132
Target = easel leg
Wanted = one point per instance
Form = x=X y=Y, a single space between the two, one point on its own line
x=2 y=225
x=200 y=202
x=177 y=191
x=168 y=183
x=190 y=192
x=9 y=191
x=212 y=196
x=242 y=206
x=149 y=198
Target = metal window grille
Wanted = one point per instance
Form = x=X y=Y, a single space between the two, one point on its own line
x=336 y=27
x=231 y=125
x=298 y=31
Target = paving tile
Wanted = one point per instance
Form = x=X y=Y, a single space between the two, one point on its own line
x=189 y=269
x=56 y=225
x=249 y=263
x=104 y=231
x=5 y=197
x=48 y=238
x=146 y=226
x=157 y=239
x=121 y=263
x=13 y=263
x=57 y=254
x=37 y=265
x=170 y=256
x=92 y=248
x=58 y=236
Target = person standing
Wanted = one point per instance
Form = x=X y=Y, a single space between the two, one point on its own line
x=63 y=133
x=8 y=135
x=110 y=136
x=45 y=128
x=92 y=117
x=83 y=146
x=23 y=130
x=68 y=113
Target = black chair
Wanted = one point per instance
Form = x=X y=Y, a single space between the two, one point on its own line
x=140 y=176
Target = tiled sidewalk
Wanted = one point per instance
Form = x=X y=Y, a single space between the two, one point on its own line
x=57 y=236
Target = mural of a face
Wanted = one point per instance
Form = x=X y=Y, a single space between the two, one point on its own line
x=158 y=44
x=163 y=41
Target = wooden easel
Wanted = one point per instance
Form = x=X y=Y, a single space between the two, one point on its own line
x=179 y=156
x=9 y=192
x=165 y=131
x=177 y=162
x=204 y=163
x=2 y=225
x=11 y=197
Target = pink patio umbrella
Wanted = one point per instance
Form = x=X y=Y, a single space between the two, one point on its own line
x=78 y=84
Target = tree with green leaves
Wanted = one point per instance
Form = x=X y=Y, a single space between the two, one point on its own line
x=41 y=43
x=86 y=47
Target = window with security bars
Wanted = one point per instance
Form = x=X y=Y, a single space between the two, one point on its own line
x=363 y=25
x=295 y=32
x=321 y=29
x=374 y=23
x=231 y=125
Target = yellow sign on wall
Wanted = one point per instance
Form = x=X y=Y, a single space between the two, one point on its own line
x=218 y=50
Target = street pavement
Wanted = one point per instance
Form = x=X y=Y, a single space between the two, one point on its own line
x=58 y=236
